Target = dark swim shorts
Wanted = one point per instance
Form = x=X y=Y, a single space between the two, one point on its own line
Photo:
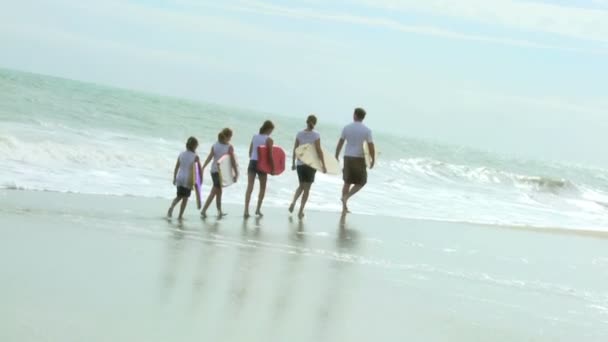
x=183 y=192
x=355 y=171
x=306 y=174
x=215 y=176
x=253 y=168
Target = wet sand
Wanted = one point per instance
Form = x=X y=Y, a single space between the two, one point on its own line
x=101 y=268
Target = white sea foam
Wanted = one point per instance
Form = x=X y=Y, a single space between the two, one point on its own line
x=120 y=164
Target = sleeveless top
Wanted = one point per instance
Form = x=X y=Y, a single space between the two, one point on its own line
x=307 y=137
x=184 y=174
x=257 y=141
x=219 y=150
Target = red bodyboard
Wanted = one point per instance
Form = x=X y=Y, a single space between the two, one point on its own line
x=278 y=155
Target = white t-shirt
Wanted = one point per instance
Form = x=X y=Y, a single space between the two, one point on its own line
x=355 y=135
x=219 y=150
x=184 y=174
x=307 y=137
x=257 y=141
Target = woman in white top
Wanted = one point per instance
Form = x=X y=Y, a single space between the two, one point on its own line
x=261 y=139
x=221 y=148
x=306 y=174
x=183 y=178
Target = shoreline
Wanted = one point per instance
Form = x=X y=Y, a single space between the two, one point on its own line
x=598 y=233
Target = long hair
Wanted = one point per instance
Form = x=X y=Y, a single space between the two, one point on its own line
x=266 y=127
x=224 y=135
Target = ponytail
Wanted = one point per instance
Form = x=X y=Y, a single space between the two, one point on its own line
x=266 y=127
x=224 y=135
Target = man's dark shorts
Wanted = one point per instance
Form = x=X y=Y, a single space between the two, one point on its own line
x=355 y=171
x=183 y=192
x=215 y=176
x=306 y=174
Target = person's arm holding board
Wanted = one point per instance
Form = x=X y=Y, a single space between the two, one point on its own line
x=175 y=172
x=372 y=149
x=269 y=147
x=197 y=161
x=320 y=154
x=296 y=144
x=233 y=163
x=372 y=153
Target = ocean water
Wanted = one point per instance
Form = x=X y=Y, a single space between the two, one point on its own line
x=67 y=136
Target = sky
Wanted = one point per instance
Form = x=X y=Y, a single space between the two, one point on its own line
x=527 y=78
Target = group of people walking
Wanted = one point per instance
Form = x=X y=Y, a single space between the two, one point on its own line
x=353 y=138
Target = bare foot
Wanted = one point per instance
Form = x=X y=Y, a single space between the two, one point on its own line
x=170 y=213
x=292 y=207
x=203 y=215
x=246 y=215
x=259 y=214
x=345 y=206
x=221 y=215
x=300 y=215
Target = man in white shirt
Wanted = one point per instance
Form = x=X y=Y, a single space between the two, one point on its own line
x=355 y=135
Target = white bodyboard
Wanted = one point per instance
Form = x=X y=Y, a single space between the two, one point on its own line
x=368 y=156
x=307 y=154
x=224 y=167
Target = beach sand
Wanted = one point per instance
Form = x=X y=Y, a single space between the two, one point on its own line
x=101 y=268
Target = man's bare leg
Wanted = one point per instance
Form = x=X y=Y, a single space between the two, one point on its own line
x=354 y=190
x=348 y=192
x=344 y=199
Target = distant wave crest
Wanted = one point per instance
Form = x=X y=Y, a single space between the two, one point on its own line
x=80 y=154
x=430 y=169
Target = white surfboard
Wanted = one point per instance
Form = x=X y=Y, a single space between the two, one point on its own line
x=224 y=166
x=307 y=154
x=368 y=156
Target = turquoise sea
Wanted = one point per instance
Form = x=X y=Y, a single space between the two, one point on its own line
x=68 y=136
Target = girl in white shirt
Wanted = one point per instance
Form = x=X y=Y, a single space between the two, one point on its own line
x=306 y=174
x=263 y=138
x=221 y=148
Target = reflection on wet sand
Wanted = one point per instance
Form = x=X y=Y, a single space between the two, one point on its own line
x=175 y=248
x=333 y=306
x=240 y=281
x=290 y=278
x=250 y=280
x=204 y=269
x=359 y=279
